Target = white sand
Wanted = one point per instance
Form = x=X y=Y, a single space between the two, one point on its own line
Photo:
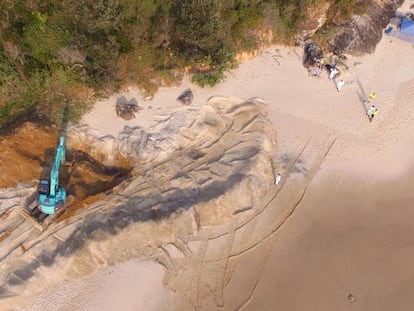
x=300 y=107
x=134 y=285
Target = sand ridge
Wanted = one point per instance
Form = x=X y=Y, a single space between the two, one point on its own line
x=305 y=109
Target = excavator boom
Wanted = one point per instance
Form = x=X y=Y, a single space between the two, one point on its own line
x=59 y=159
x=51 y=196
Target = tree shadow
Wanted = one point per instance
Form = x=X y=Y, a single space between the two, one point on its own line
x=32 y=116
x=125 y=108
x=65 y=119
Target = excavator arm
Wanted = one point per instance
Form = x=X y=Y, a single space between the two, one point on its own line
x=51 y=196
x=59 y=159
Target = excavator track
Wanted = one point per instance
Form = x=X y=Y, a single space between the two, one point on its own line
x=39 y=220
x=31 y=212
x=32 y=219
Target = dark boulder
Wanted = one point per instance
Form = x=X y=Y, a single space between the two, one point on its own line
x=362 y=33
x=126 y=108
x=186 y=97
x=312 y=55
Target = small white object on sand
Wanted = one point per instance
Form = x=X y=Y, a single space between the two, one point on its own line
x=340 y=84
x=333 y=73
x=278 y=178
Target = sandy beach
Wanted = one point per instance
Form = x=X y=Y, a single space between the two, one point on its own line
x=348 y=245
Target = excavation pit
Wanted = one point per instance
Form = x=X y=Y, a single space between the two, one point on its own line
x=27 y=155
x=87 y=180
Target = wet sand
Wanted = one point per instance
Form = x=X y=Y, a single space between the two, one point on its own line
x=349 y=246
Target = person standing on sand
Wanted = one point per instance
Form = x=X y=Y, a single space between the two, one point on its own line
x=372 y=111
x=370 y=97
x=340 y=84
x=278 y=178
x=333 y=72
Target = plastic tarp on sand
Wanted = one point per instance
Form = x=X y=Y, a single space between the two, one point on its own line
x=406 y=31
x=407 y=26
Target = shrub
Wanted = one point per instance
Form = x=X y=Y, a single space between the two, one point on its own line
x=108 y=43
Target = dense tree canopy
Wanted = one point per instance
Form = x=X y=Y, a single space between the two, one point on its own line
x=55 y=53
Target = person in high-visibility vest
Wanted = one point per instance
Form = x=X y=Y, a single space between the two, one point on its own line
x=370 y=97
x=372 y=111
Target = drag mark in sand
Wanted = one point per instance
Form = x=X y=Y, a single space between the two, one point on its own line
x=287 y=212
x=271 y=237
x=224 y=250
x=268 y=247
x=197 y=262
x=203 y=171
x=220 y=282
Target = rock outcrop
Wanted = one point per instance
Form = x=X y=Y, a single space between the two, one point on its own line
x=316 y=17
x=362 y=33
x=186 y=97
x=126 y=108
x=358 y=35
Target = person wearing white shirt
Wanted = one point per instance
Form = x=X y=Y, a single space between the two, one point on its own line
x=372 y=111
x=278 y=178
x=333 y=72
x=340 y=84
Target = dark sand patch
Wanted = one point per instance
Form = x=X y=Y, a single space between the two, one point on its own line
x=346 y=240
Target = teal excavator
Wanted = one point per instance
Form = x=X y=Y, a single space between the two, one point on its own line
x=51 y=196
x=45 y=204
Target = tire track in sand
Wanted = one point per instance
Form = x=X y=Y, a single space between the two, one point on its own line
x=256 y=232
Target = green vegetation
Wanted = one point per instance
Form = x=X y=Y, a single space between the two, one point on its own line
x=58 y=53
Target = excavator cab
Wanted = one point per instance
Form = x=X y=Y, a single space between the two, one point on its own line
x=50 y=201
x=44 y=187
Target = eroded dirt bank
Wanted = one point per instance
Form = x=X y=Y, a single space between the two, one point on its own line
x=23 y=153
x=27 y=154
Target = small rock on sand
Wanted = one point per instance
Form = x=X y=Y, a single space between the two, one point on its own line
x=351 y=298
x=186 y=97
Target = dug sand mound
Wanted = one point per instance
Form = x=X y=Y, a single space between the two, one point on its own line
x=185 y=178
